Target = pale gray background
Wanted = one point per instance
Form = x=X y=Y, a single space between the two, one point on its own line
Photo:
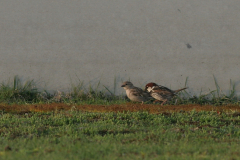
x=55 y=41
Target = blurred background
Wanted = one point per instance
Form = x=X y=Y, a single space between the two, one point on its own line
x=60 y=42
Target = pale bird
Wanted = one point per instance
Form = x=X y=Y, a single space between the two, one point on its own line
x=134 y=93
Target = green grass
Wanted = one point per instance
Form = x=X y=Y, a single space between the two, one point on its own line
x=17 y=92
x=27 y=93
x=139 y=135
x=214 y=97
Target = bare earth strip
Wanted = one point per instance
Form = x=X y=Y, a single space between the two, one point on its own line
x=128 y=107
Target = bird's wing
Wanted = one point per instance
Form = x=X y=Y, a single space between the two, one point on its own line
x=139 y=92
x=162 y=90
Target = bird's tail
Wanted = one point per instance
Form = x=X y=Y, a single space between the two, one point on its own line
x=176 y=91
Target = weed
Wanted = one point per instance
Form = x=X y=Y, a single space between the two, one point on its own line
x=28 y=93
x=132 y=135
x=19 y=92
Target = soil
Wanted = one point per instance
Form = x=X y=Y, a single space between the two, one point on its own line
x=128 y=107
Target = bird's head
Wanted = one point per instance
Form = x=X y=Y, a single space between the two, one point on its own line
x=149 y=87
x=127 y=85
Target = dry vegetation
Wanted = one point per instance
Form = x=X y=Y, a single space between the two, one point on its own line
x=128 y=107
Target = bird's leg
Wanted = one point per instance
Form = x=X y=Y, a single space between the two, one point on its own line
x=155 y=101
x=164 y=102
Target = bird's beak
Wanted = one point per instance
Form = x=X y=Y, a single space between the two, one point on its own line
x=122 y=85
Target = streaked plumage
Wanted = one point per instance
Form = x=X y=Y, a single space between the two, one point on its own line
x=161 y=93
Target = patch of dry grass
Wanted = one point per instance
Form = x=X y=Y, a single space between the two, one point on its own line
x=128 y=107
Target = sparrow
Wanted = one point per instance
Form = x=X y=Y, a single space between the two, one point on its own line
x=136 y=94
x=161 y=93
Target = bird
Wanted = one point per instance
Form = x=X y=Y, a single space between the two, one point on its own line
x=136 y=94
x=161 y=93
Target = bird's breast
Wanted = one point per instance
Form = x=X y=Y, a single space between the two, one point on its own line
x=128 y=92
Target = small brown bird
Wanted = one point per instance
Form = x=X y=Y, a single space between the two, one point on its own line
x=161 y=93
x=135 y=94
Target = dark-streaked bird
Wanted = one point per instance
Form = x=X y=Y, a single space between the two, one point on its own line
x=161 y=93
x=134 y=93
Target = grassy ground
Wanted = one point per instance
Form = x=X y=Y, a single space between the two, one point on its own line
x=16 y=92
x=92 y=124
x=132 y=135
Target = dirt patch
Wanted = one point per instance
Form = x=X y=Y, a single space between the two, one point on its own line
x=128 y=107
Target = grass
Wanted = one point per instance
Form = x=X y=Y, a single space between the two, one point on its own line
x=93 y=123
x=28 y=93
x=131 y=135
x=18 y=92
